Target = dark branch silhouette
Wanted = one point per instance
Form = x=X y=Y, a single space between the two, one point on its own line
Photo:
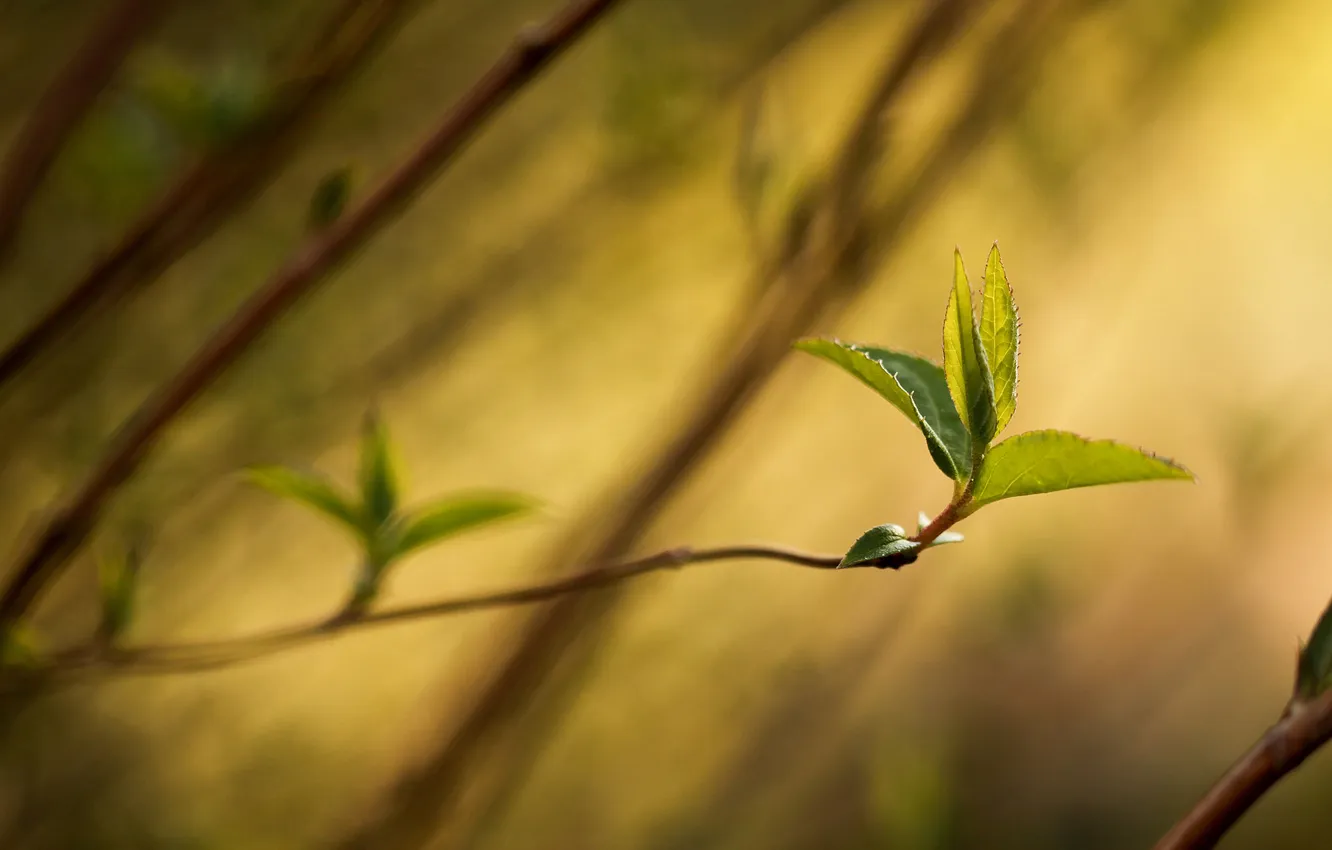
x=70 y=526
x=218 y=185
x=68 y=99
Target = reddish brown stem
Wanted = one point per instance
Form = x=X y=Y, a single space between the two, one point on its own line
x=69 y=98
x=946 y=519
x=1306 y=726
x=65 y=534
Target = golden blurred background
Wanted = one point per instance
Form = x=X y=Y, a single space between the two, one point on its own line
x=553 y=309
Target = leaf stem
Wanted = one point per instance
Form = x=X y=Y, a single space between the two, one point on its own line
x=955 y=511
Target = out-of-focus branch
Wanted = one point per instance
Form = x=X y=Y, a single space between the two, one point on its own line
x=68 y=99
x=1305 y=726
x=69 y=528
x=219 y=185
x=198 y=656
x=795 y=297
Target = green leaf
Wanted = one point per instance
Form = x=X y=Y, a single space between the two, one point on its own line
x=459 y=513
x=379 y=479
x=999 y=333
x=1046 y=461
x=1315 y=667
x=329 y=198
x=884 y=546
x=309 y=490
x=914 y=386
x=967 y=373
x=118 y=579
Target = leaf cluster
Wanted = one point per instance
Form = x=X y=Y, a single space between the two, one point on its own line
x=374 y=516
x=963 y=405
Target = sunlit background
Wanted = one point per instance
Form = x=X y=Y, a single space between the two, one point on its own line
x=555 y=307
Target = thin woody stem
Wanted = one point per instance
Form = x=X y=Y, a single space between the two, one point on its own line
x=188 y=657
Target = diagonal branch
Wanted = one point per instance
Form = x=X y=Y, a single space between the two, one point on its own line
x=219 y=184
x=69 y=98
x=797 y=294
x=1305 y=726
x=65 y=534
x=191 y=657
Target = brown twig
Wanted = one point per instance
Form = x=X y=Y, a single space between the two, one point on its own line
x=198 y=656
x=531 y=52
x=65 y=103
x=798 y=295
x=1305 y=726
x=219 y=184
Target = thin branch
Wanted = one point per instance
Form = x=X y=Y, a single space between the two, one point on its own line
x=69 y=98
x=797 y=295
x=218 y=185
x=1305 y=726
x=530 y=53
x=191 y=657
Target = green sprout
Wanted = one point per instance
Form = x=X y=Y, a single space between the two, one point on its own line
x=963 y=406
x=119 y=583
x=385 y=531
x=1314 y=672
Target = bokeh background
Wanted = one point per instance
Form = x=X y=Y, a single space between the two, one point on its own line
x=547 y=314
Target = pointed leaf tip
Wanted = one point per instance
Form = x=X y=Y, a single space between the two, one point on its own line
x=968 y=373
x=461 y=512
x=310 y=490
x=1047 y=461
x=913 y=385
x=1000 y=331
x=885 y=546
x=378 y=473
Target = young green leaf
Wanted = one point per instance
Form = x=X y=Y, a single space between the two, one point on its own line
x=329 y=198
x=379 y=480
x=1315 y=667
x=1046 y=461
x=914 y=386
x=999 y=338
x=119 y=577
x=967 y=372
x=884 y=546
x=459 y=513
x=310 y=490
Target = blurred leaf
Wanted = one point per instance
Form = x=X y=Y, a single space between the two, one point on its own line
x=1315 y=667
x=911 y=794
x=18 y=647
x=379 y=481
x=968 y=375
x=330 y=198
x=311 y=491
x=914 y=386
x=207 y=107
x=1046 y=461
x=884 y=546
x=753 y=157
x=999 y=338
x=459 y=513
x=118 y=579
